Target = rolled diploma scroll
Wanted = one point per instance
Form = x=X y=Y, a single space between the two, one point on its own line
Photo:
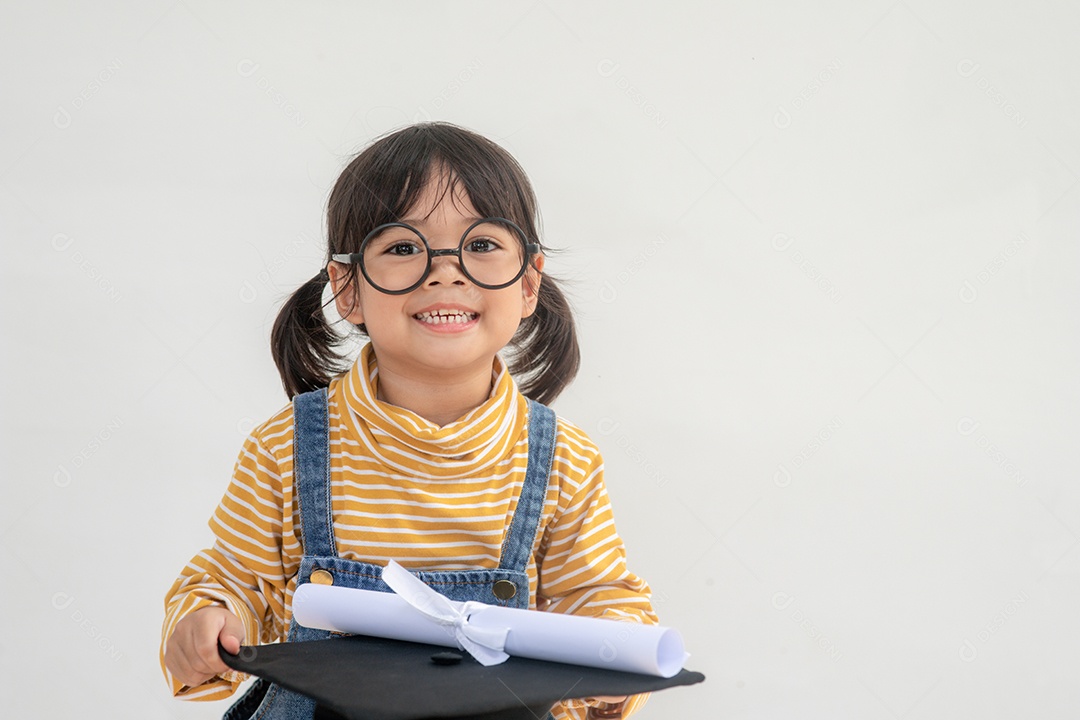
x=594 y=642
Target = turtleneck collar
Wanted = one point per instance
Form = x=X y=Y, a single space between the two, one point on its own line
x=409 y=443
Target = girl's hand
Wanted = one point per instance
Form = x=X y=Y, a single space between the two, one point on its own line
x=191 y=654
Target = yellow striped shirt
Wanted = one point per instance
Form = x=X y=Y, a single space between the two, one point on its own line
x=403 y=488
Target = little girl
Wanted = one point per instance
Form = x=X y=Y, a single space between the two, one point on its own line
x=426 y=449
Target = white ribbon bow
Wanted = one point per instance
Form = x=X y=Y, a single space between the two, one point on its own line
x=484 y=644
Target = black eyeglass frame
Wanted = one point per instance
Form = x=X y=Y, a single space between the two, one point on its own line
x=358 y=257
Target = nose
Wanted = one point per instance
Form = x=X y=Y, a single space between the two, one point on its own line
x=446 y=267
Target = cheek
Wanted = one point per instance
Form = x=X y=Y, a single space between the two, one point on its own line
x=384 y=314
x=371 y=305
x=514 y=307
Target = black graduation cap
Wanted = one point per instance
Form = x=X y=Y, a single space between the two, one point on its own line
x=367 y=678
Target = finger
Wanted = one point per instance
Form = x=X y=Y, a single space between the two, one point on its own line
x=232 y=634
x=208 y=661
x=189 y=676
x=179 y=661
x=231 y=643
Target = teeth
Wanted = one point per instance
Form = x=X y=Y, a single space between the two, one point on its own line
x=441 y=317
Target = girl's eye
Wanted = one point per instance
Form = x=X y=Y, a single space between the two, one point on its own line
x=393 y=242
x=402 y=248
x=481 y=245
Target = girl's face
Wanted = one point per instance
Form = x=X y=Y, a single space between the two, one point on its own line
x=448 y=327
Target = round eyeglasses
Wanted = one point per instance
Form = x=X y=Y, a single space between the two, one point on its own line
x=396 y=258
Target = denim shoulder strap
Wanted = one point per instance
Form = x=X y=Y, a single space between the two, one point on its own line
x=311 y=472
x=517 y=548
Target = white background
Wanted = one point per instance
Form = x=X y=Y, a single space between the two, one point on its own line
x=822 y=257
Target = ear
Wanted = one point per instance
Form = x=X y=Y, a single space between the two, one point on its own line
x=346 y=297
x=530 y=286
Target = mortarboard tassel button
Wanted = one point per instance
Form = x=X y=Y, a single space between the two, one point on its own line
x=446 y=658
x=504 y=589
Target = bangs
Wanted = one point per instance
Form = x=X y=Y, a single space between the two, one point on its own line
x=385 y=181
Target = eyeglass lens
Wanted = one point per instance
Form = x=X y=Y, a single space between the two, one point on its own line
x=396 y=258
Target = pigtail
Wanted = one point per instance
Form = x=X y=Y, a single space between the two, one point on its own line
x=303 y=343
x=545 y=355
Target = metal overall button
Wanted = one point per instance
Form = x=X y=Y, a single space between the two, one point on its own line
x=322 y=577
x=504 y=589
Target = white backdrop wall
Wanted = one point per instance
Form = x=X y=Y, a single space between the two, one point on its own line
x=822 y=255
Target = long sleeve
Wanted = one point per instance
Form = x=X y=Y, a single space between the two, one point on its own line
x=242 y=571
x=583 y=569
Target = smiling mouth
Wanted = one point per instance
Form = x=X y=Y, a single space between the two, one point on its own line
x=445 y=317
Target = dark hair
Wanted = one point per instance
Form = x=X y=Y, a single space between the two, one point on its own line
x=379 y=186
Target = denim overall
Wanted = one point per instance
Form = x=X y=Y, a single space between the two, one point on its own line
x=311 y=476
